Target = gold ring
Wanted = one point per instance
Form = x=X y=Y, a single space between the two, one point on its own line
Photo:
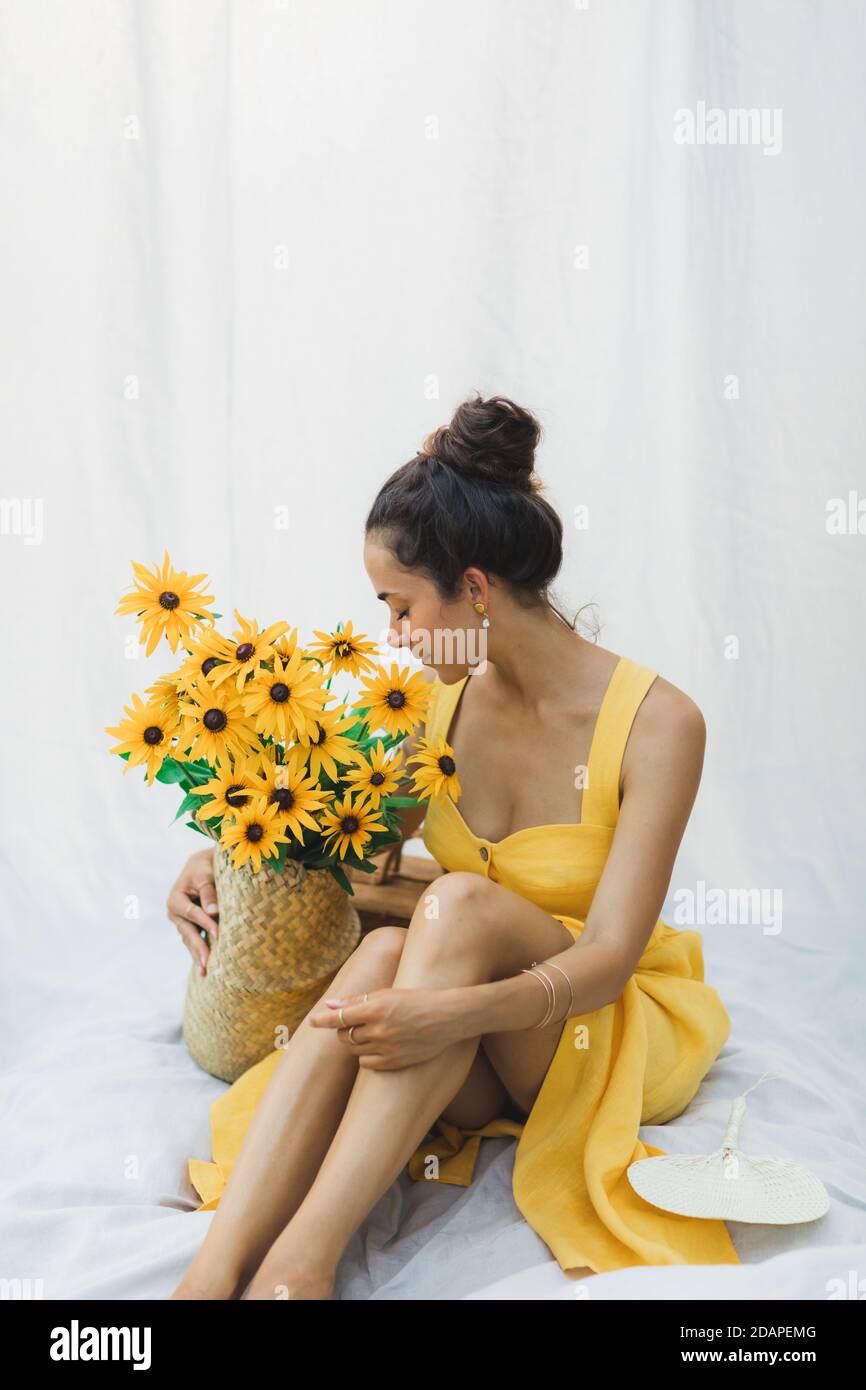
x=342 y=1020
x=351 y=1031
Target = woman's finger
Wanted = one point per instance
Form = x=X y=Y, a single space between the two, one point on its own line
x=186 y=907
x=207 y=895
x=339 y=1013
x=194 y=943
x=354 y=1040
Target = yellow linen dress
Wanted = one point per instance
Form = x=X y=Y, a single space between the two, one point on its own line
x=639 y=1060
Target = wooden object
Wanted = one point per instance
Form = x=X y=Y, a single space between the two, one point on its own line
x=389 y=897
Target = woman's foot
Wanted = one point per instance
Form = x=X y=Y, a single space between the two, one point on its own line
x=202 y=1285
x=282 y=1276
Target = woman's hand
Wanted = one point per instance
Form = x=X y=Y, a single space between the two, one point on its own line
x=393 y=1027
x=192 y=903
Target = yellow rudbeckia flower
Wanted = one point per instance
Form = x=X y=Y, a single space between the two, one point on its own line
x=376 y=776
x=397 y=702
x=146 y=735
x=254 y=834
x=207 y=651
x=297 y=797
x=437 y=774
x=232 y=789
x=287 y=645
x=344 y=651
x=286 y=702
x=165 y=693
x=166 y=601
x=327 y=745
x=249 y=649
x=215 y=726
x=349 y=823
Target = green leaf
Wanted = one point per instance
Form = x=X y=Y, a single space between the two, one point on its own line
x=279 y=863
x=192 y=825
x=170 y=771
x=196 y=773
x=363 y=865
x=400 y=801
x=189 y=803
x=342 y=878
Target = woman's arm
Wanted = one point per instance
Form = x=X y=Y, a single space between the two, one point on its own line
x=661 y=773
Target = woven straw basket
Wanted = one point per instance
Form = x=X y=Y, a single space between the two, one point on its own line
x=282 y=938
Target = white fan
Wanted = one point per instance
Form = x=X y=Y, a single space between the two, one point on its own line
x=731 y=1185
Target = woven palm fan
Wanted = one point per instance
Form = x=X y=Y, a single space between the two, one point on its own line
x=731 y=1185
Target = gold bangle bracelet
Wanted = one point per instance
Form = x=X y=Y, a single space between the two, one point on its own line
x=545 y=985
x=549 y=989
x=570 y=1009
x=552 y=1009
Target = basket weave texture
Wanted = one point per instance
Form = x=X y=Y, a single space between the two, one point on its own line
x=282 y=938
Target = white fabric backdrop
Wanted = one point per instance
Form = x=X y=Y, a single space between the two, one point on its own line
x=252 y=253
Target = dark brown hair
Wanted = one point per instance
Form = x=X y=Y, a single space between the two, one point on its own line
x=471 y=496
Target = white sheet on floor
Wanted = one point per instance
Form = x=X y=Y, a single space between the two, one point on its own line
x=102 y=1106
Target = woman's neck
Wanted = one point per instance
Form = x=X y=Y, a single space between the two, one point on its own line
x=530 y=657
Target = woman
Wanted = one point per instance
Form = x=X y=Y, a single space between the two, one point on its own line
x=535 y=992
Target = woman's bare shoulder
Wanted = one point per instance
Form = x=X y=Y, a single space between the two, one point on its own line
x=668 y=732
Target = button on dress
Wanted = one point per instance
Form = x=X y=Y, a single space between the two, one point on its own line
x=637 y=1061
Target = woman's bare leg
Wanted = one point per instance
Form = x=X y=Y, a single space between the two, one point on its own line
x=289 y=1134
x=482 y=932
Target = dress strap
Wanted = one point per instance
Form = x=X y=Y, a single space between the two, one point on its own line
x=443 y=700
x=434 y=709
x=628 y=686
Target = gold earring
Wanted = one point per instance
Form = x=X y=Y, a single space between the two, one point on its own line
x=479 y=608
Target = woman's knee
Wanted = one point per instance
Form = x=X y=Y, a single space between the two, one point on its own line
x=454 y=908
x=373 y=963
x=380 y=949
x=453 y=891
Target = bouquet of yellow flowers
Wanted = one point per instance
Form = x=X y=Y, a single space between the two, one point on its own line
x=247 y=730
x=292 y=785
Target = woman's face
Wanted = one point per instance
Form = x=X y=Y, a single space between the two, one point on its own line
x=444 y=636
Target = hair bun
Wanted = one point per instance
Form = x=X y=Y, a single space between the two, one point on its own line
x=493 y=440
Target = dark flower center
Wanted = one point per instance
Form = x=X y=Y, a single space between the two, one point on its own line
x=344 y=649
x=237 y=795
x=349 y=824
x=215 y=720
x=377 y=779
x=447 y=765
x=280 y=693
x=396 y=699
x=320 y=736
x=244 y=651
x=284 y=797
x=208 y=664
x=168 y=600
x=255 y=832
x=153 y=734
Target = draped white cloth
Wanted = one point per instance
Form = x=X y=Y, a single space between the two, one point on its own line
x=252 y=253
